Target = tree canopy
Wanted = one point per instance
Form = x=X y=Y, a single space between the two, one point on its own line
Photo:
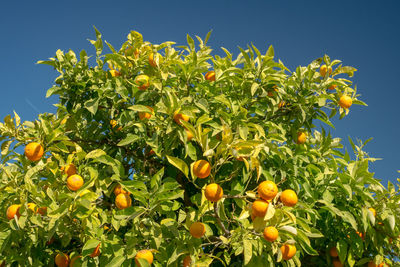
x=167 y=155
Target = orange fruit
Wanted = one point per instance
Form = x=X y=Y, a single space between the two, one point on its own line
x=70 y=169
x=146 y=115
x=301 y=138
x=267 y=190
x=74 y=182
x=213 y=192
x=288 y=251
x=115 y=73
x=289 y=198
x=153 y=59
x=272 y=93
x=123 y=201
x=197 y=229
x=210 y=76
x=96 y=251
x=373 y=211
x=119 y=190
x=372 y=264
x=281 y=104
x=12 y=211
x=324 y=69
x=42 y=210
x=189 y=135
x=34 y=151
x=333 y=252
x=259 y=207
x=187 y=261
x=332 y=87
x=142 y=81
x=345 y=101
x=270 y=233
x=144 y=254
x=73 y=260
x=61 y=260
x=360 y=235
x=179 y=116
x=201 y=168
x=337 y=263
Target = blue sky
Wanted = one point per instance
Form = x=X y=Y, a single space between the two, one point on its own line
x=363 y=34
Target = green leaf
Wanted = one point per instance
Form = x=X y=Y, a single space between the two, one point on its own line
x=180 y=164
x=248 y=251
x=139 y=108
x=92 y=105
x=130 y=138
x=89 y=246
x=116 y=261
x=95 y=154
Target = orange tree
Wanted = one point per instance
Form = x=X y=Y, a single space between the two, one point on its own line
x=166 y=155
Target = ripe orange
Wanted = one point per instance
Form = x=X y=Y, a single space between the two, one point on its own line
x=153 y=59
x=115 y=73
x=119 y=190
x=144 y=254
x=12 y=211
x=324 y=69
x=146 y=115
x=210 y=76
x=345 y=101
x=259 y=208
x=61 y=260
x=267 y=190
x=189 y=135
x=213 y=192
x=333 y=252
x=372 y=264
x=70 y=169
x=96 y=251
x=289 y=198
x=281 y=104
x=142 y=81
x=197 y=229
x=179 y=116
x=337 y=263
x=34 y=151
x=74 y=182
x=360 y=235
x=202 y=168
x=332 y=87
x=187 y=261
x=373 y=211
x=270 y=233
x=288 y=251
x=73 y=260
x=42 y=210
x=123 y=201
x=301 y=138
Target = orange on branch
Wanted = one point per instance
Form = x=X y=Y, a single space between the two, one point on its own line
x=259 y=207
x=324 y=69
x=142 y=81
x=187 y=261
x=73 y=260
x=333 y=252
x=270 y=233
x=202 y=168
x=61 y=260
x=213 y=192
x=179 y=116
x=74 y=182
x=210 y=76
x=337 y=263
x=123 y=201
x=189 y=135
x=332 y=87
x=70 y=169
x=197 y=229
x=119 y=190
x=301 y=138
x=153 y=59
x=12 y=211
x=345 y=101
x=288 y=251
x=115 y=73
x=267 y=190
x=34 y=151
x=144 y=254
x=289 y=198
x=146 y=115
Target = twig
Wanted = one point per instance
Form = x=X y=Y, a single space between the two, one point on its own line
x=226 y=232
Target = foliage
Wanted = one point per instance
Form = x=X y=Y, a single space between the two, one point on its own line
x=245 y=123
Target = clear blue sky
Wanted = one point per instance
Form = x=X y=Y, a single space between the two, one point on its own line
x=363 y=34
